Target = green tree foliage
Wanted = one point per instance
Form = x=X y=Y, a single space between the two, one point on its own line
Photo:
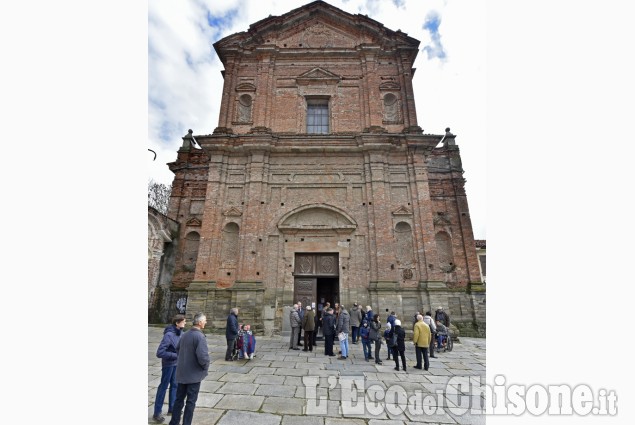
x=159 y=196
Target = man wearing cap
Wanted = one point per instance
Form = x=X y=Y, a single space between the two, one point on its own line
x=442 y=316
x=356 y=320
x=308 y=324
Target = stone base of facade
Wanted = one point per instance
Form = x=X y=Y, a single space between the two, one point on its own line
x=267 y=309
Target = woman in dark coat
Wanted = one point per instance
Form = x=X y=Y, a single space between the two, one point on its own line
x=376 y=336
x=328 y=328
x=400 y=346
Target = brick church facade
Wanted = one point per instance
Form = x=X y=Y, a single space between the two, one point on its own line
x=318 y=184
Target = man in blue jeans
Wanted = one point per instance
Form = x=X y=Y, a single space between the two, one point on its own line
x=191 y=368
x=167 y=353
x=343 y=326
x=356 y=316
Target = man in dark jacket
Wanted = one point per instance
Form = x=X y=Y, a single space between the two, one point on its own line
x=231 y=332
x=308 y=324
x=328 y=329
x=191 y=368
x=399 y=347
x=167 y=353
x=301 y=315
x=442 y=317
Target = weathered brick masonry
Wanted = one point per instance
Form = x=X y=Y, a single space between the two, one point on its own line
x=369 y=210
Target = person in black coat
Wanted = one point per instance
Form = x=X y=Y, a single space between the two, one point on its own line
x=376 y=336
x=399 y=348
x=231 y=332
x=328 y=329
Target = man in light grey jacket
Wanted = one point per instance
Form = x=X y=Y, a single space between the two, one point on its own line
x=343 y=327
x=356 y=320
x=296 y=322
x=433 y=331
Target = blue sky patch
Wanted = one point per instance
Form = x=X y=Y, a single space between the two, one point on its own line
x=170 y=131
x=435 y=48
x=218 y=23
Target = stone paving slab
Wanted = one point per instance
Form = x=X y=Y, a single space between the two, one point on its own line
x=302 y=420
x=336 y=421
x=270 y=389
x=319 y=392
x=277 y=391
x=235 y=417
x=295 y=381
x=270 y=379
x=238 y=388
x=203 y=415
x=387 y=422
x=292 y=406
x=208 y=399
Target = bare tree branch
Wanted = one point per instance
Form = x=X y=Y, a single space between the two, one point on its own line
x=159 y=196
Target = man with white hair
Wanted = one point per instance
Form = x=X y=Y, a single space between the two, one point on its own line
x=231 y=332
x=294 y=320
x=421 y=339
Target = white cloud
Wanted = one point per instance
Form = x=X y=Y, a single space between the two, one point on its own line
x=185 y=82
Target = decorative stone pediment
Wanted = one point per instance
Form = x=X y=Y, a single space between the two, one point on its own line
x=233 y=212
x=246 y=87
x=316 y=34
x=402 y=210
x=389 y=85
x=317 y=217
x=193 y=222
x=318 y=76
x=316 y=25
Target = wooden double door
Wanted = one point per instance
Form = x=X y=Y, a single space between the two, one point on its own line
x=316 y=280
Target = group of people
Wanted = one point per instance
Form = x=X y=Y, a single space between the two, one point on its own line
x=367 y=327
x=185 y=361
x=185 y=355
x=332 y=322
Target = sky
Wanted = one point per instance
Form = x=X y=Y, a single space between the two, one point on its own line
x=184 y=73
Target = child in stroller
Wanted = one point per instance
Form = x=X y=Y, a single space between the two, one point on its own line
x=237 y=352
x=247 y=343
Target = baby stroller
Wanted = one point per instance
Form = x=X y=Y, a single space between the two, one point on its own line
x=238 y=345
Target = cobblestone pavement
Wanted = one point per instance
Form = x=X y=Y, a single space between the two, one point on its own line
x=286 y=387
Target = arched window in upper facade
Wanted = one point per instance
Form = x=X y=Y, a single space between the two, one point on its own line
x=405 y=245
x=243 y=113
x=391 y=108
x=229 y=249
x=190 y=251
x=444 y=250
